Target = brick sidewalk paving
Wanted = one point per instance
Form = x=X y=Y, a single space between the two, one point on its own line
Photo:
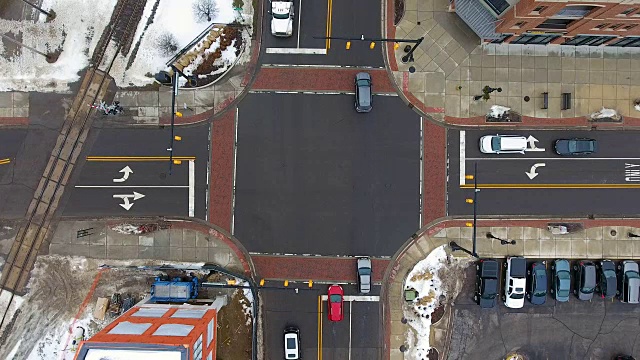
x=316 y=268
x=318 y=79
x=222 y=158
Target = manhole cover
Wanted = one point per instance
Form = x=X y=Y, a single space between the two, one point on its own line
x=163 y=175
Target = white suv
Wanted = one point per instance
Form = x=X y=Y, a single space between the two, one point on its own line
x=282 y=18
x=291 y=343
x=515 y=282
x=503 y=144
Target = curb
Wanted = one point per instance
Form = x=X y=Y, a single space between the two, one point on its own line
x=13 y=121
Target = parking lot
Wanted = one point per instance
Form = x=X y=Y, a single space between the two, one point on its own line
x=355 y=337
x=596 y=329
x=314 y=20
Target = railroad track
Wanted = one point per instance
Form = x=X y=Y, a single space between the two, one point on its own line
x=32 y=235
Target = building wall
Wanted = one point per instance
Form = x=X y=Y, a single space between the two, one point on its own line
x=521 y=18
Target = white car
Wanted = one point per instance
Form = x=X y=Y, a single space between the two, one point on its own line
x=282 y=18
x=515 y=282
x=291 y=343
x=503 y=144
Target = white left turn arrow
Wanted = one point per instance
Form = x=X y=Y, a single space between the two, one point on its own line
x=127 y=171
x=532 y=173
x=125 y=197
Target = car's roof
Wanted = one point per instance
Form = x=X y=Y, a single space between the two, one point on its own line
x=562 y=264
x=364 y=262
x=363 y=75
x=630 y=265
x=513 y=143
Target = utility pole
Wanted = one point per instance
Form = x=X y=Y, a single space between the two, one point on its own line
x=406 y=58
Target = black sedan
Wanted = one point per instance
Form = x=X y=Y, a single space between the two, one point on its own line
x=537 y=293
x=575 y=146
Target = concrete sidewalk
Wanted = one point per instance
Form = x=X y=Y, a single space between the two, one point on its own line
x=176 y=240
x=598 y=239
x=451 y=67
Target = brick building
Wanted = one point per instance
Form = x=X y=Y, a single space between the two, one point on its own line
x=565 y=22
x=157 y=331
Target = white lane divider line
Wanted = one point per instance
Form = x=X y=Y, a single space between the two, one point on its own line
x=301 y=51
x=192 y=188
x=463 y=154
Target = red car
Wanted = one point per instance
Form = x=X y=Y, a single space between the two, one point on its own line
x=335 y=303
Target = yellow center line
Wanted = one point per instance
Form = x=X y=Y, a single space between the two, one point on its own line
x=329 y=11
x=552 y=186
x=319 y=327
x=138 y=158
x=5 y=161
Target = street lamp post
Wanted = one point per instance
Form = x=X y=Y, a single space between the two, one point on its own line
x=455 y=247
x=502 y=242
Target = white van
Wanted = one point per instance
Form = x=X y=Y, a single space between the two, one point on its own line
x=503 y=144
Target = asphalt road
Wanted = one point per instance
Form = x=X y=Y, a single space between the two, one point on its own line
x=315 y=177
x=350 y=19
x=99 y=184
x=355 y=337
x=574 y=330
x=27 y=151
x=603 y=184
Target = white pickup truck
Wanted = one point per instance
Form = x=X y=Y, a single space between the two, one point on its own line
x=282 y=18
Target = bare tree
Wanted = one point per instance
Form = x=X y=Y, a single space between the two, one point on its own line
x=167 y=43
x=204 y=10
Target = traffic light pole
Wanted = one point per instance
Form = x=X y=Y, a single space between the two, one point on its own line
x=406 y=58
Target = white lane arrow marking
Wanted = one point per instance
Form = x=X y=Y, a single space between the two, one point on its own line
x=532 y=144
x=532 y=174
x=125 y=197
x=127 y=171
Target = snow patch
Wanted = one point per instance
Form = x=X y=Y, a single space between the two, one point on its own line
x=498 y=111
x=172 y=17
x=605 y=113
x=127 y=229
x=425 y=280
x=77 y=36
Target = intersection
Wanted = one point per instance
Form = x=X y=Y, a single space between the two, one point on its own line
x=273 y=160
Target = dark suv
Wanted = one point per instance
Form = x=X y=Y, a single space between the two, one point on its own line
x=363 y=92
x=629 y=277
x=486 y=283
x=585 y=279
x=537 y=292
x=607 y=280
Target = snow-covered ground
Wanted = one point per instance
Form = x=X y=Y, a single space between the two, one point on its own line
x=426 y=278
x=172 y=17
x=76 y=30
x=76 y=35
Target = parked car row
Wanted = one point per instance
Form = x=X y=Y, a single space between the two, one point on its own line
x=603 y=277
x=516 y=144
